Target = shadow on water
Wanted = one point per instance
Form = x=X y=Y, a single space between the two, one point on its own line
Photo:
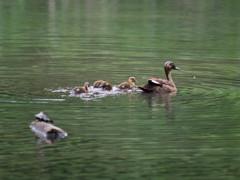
x=43 y=140
x=156 y=100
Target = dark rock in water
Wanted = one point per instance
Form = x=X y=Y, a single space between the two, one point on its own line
x=43 y=117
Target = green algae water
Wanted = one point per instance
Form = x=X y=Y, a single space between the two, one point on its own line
x=49 y=47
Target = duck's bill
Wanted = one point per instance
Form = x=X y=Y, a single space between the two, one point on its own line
x=177 y=68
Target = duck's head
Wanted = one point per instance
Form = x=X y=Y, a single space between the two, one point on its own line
x=106 y=86
x=169 y=65
x=86 y=85
x=132 y=80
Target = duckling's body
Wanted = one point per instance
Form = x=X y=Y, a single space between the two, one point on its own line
x=80 y=90
x=97 y=83
x=106 y=86
x=128 y=85
x=162 y=85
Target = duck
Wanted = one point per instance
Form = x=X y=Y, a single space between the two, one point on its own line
x=80 y=90
x=128 y=85
x=97 y=83
x=162 y=85
x=105 y=85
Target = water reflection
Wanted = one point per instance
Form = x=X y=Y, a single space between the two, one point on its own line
x=43 y=140
x=157 y=100
x=57 y=43
x=40 y=138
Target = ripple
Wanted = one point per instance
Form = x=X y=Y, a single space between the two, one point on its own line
x=49 y=99
x=94 y=93
x=60 y=90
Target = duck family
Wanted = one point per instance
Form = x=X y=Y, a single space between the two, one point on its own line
x=153 y=85
x=105 y=85
x=45 y=131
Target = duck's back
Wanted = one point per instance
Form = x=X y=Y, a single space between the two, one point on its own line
x=125 y=85
x=79 y=90
x=158 y=85
x=97 y=83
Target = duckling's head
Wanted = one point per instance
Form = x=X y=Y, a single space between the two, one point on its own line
x=86 y=85
x=132 y=80
x=106 y=86
x=169 y=65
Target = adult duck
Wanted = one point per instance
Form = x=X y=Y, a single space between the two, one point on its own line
x=128 y=85
x=80 y=90
x=162 y=85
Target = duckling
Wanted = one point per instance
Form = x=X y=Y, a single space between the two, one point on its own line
x=128 y=85
x=80 y=90
x=97 y=83
x=162 y=85
x=106 y=86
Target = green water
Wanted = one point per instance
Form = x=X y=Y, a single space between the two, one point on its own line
x=48 y=47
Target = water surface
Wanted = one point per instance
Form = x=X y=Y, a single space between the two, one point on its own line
x=49 y=47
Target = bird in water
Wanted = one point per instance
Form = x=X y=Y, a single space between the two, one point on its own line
x=105 y=85
x=97 y=83
x=162 y=85
x=80 y=90
x=128 y=85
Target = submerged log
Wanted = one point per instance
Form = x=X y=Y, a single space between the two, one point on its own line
x=45 y=130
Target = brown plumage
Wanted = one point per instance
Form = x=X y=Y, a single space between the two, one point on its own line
x=80 y=90
x=128 y=85
x=97 y=83
x=162 y=85
x=106 y=86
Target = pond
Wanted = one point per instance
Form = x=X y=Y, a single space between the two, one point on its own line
x=49 y=47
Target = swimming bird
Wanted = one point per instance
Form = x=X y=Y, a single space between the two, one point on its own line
x=106 y=86
x=128 y=85
x=80 y=90
x=162 y=85
x=97 y=83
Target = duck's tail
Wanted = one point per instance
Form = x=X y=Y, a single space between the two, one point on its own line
x=144 y=89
